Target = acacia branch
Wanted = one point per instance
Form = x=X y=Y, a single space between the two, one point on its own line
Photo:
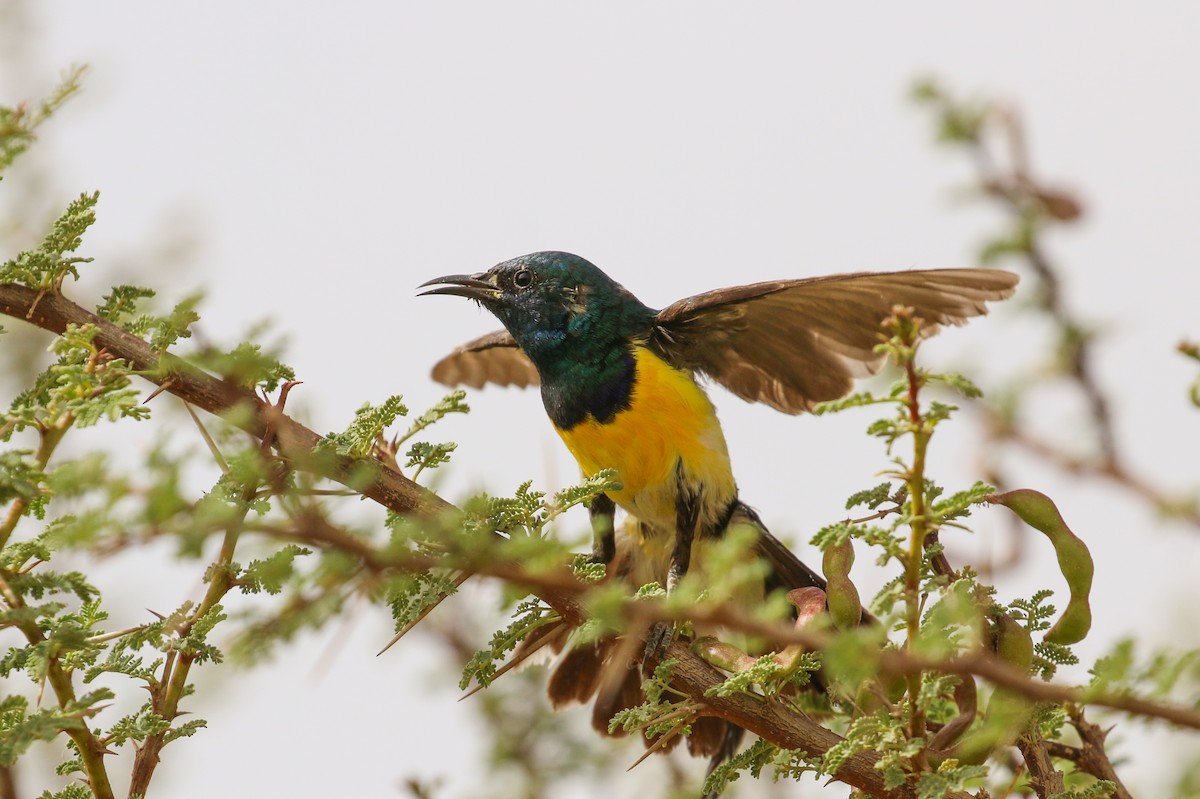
x=1033 y=203
x=52 y=311
x=564 y=591
x=559 y=588
x=1093 y=759
x=91 y=750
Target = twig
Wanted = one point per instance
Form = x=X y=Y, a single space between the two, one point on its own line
x=1043 y=776
x=1093 y=759
x=297 y=443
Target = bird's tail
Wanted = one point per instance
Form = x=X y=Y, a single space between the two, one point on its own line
x=609 y=671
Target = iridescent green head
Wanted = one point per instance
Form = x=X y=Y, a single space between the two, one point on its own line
x=555 y=304
x=574 y=322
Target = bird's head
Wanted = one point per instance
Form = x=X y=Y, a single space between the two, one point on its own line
x=549 y=300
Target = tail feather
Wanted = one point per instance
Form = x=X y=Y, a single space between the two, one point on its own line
x=580 y=672
x=730 y=743
x=707 y=736
x=626 y=694
x=576 y=676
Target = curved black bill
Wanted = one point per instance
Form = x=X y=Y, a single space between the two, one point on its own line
x=469 y=286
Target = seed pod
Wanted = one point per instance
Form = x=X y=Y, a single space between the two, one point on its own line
x=810 y=604
x=1014 y=644
x=1074 y=561
x=722 y=655
x=845 y=606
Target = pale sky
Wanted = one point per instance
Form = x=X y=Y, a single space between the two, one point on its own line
x=313 y=163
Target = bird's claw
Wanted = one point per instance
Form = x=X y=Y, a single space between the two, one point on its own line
x=658 y=641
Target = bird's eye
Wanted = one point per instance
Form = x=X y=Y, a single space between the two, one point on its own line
x=523 y=279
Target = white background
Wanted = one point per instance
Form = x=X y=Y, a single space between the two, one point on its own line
x=313 y=163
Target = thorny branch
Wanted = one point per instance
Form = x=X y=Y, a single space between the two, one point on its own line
x=560 y=589
x=296 y=443
x=1033 y=205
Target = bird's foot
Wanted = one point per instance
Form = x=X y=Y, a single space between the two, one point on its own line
x=600 y=555
x=658 y=641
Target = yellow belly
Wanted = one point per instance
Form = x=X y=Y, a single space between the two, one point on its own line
x=670 y=424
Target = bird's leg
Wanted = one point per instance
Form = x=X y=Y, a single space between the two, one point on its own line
x=604 y=545
x=729 y=747
x=687 y=515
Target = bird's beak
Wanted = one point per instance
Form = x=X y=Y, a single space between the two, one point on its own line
x=473 y=287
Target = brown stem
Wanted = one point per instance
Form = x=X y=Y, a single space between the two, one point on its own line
x=1018 y=192
x=1093 y=759
x=8 y=783
x=48 y=442
x=1045 y=779
x=166 y=695
x=919 y=525
x=297 y=443
x=54 y=312
x=1178 y=508
x=557 y=586
x=769 y=719
x=91 y=751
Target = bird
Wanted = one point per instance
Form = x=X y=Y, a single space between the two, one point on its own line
x=621 y=383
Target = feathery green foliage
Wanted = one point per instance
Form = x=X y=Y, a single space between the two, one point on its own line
x=312 y=550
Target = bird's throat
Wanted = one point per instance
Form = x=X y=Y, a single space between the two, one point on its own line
x=666 y=432
x=577 y=389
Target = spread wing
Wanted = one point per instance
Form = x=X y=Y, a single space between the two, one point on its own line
x=794 y=343
x=494 y=358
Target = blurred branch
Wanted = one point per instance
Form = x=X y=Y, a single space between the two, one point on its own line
x=1192 y=350
x=1092 y=757
x=993 y=135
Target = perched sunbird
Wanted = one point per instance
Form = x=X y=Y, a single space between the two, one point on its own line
x=619 y=383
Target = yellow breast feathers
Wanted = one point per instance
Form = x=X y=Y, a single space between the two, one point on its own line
x=669 y=431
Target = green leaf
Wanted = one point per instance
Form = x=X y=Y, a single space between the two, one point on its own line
x=451 y=403
x=248 y=366
x=858 y=400
x=176 y=325
x=871 y=497
x=272 y=573
x=528 y=616
x=424 y=455
x=18 y=125
x=48 y=265
x=959 y=383
x=367 y=428
x=121 y=303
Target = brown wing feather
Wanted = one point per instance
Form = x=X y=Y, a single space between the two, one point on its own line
x=794 y=343
x=494 y=358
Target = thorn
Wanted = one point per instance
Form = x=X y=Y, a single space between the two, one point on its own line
x=286 y=389
x=459 y=579
x=682 y=713
x=160 y=389
x=33 y=306
x=156 y=613
x=512 y=664
x=658 y=744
